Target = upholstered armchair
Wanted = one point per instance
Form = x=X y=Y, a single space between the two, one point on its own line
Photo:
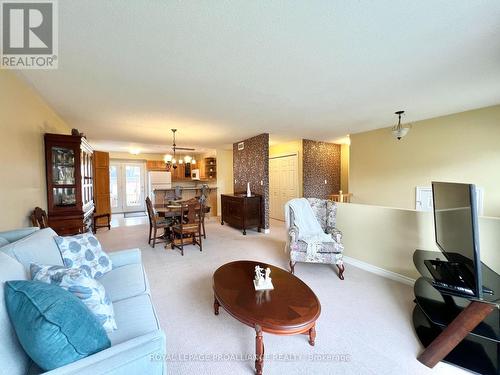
x=331 y=252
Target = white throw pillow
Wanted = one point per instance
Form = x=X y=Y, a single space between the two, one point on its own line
x=78 y=282
x=84 y=251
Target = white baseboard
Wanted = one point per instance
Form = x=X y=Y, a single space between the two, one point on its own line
x=379 y=271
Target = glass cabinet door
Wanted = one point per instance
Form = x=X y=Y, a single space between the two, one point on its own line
x=63 y=177
x=63 y=166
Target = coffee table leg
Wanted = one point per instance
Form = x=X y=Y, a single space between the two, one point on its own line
x=312 y=335
x=216 y=306
x=259 y=350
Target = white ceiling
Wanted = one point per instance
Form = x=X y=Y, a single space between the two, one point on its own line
x=222 y=71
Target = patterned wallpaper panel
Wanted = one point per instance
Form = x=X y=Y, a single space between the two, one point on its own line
x=321 y=161
x=252 y=165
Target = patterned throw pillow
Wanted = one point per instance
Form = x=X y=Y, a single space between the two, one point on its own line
x=84 y=251
x=78 y=282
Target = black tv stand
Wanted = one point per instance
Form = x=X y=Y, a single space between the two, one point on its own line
x=456 y=328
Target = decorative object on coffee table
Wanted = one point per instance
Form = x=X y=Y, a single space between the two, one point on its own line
x=262 y=282
x=291 y=308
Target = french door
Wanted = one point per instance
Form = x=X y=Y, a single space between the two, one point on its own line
x=283 y=183
x=126 y=183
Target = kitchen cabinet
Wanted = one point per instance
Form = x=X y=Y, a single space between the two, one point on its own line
x=208 y=169
x=156 y=165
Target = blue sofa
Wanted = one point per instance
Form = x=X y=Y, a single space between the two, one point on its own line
x=137 y=346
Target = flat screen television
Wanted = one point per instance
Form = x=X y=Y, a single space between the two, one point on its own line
x=457 y=236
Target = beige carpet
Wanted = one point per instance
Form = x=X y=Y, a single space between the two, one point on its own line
x=364 y=328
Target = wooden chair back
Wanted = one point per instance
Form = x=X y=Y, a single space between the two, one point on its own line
x=151 y=211
x=39 y=218
x=178 y=192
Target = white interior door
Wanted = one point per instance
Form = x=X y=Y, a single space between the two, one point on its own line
x=127 y=182
x=283 y=183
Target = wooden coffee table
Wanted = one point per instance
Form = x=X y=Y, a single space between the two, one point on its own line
x=291 y=308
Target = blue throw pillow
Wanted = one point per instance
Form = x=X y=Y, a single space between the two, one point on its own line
x=53 y=326
x=84 y=251
x=81 y=284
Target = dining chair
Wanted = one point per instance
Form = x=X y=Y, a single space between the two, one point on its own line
x=178 y=193
x=39 y=218
x=188 y=230
x=155 y=223
x=203 y=202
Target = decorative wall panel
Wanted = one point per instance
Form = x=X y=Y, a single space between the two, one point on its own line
x=251 y=164
x=321 y=162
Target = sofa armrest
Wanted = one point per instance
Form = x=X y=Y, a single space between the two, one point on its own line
x=144 y=354
x=124 y=257
x=17 y=234
x=335 y=233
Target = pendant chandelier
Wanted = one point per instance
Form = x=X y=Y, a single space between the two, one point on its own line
x=399 y=130
x=172 y=161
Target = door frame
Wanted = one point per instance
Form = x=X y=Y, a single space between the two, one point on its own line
x=121 y=178
x=280 y=156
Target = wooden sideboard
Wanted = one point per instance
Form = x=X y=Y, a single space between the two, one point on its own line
x=241 y=212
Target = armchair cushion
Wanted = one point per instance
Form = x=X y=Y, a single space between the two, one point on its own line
x=327 y=247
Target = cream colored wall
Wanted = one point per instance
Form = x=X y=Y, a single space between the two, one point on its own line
x=344 y=167
x=387 y=237
x=293 y=147
x=24 y=118
x=463 y=147
x=224 y=174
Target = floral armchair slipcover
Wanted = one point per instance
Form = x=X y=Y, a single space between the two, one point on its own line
x=331 y=252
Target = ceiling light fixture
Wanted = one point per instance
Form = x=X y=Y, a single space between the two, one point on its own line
x=398 y=130
x=172 y=161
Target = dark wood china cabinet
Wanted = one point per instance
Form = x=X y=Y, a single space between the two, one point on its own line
x=70 y=200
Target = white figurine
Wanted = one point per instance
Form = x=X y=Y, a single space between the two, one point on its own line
x=268 y=275
x=262 y=279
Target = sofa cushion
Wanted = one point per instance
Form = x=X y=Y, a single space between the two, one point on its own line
x=3 y=242
x=54 y=327
x=327 y=247
x=78 y=282
x=125 y=282
x=38 y=247
x=13 y=359
x=134 y=317
x=84 y=251
x=17 y=234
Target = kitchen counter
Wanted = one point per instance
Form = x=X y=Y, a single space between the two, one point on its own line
x=186 y=188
